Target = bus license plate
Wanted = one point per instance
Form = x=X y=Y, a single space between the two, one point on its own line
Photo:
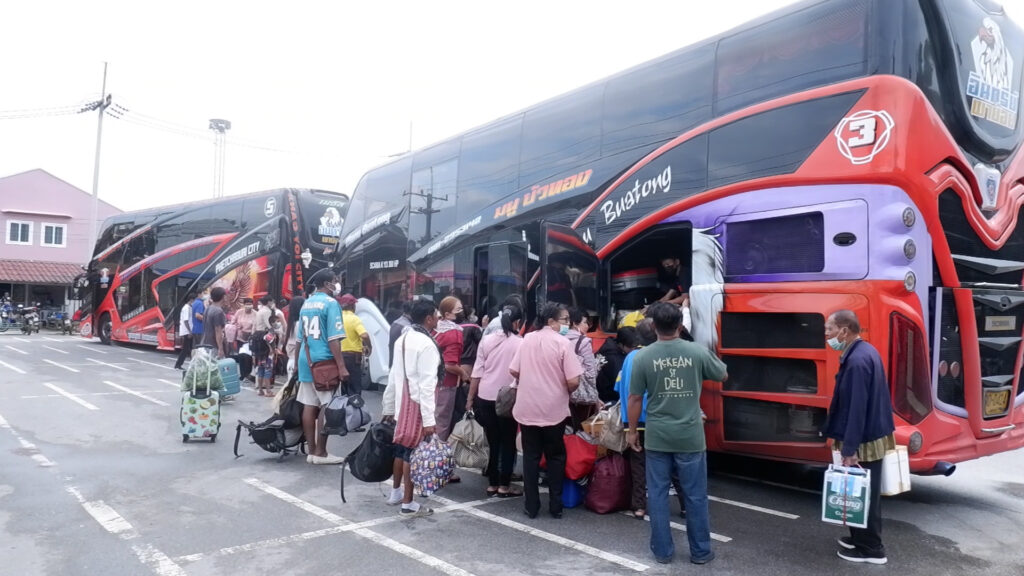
x=996 y=402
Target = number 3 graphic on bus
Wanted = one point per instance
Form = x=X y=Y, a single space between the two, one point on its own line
x=311 y=327
x=856 y=133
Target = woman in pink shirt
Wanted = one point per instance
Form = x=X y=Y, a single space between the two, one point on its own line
x=548 y=371
x=490 y=374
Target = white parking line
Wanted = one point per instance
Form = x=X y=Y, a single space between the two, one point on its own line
x=137 y=394
x=53 y=339
x=22 y=340
x=261 y=544
x=69 y=396
x=572 y=544
x=55 y=349
x=9 y=367
x=152 y=364
x=29 y=447
x=91 y=349
x=681 y=527
x=374 y=537
x=59 y=365
x=754 y=508
x=114 y=523
x=107 y=364
x=16 y=350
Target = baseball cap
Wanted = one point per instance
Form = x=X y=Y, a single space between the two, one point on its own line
x=347 y=300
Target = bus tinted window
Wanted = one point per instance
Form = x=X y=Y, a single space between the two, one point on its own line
x=489 y=166
x=387 y=187
x=653 y=104
x=356 y=213
x=560 y=136
x=815 y=47
x=432 y=202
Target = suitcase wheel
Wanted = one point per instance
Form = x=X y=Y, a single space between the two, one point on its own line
x=213 y=439
x=184 y=438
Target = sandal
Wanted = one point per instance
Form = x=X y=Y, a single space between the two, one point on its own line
x=510 y=493
x=491 y=492
x=639 y=514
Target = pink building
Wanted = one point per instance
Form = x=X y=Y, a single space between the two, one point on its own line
x=46 y=232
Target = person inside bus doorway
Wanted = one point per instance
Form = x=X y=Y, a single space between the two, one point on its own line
x=861 y=426
x=673 y=281
x=321 y=331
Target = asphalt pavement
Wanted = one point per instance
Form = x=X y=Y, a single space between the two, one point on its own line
x=94 y=479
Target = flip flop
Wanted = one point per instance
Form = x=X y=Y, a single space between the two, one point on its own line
x=510 y=494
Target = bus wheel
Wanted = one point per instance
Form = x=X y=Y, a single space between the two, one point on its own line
x=105 y=329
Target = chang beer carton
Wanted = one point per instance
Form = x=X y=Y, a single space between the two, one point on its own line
x=846 y=496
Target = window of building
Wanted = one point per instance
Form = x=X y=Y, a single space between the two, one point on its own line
x=54 y=235
x=19 y=232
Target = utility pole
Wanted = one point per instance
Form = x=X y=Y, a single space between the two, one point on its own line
x=428 y=210
x=101 y=108
x=220 y=128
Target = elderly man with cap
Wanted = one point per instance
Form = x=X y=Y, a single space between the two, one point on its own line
x=355 y=345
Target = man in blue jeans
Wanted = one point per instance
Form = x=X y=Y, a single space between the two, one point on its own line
x=671 y=372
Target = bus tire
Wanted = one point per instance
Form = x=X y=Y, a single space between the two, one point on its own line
x=104 y=329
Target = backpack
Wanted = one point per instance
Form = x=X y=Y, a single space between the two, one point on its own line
x=373 y=459
x=273 y=436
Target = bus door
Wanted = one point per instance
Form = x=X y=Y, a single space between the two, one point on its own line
x=499 y=270
x=570 y=270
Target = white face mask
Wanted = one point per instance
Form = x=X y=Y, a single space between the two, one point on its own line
x=337 y=287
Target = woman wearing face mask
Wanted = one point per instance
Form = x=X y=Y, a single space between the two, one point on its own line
x=548 y=371
x=448 y=336
x=584 y=402
x=244 y=321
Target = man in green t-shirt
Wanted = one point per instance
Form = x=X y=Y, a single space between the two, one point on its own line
x=671 y=372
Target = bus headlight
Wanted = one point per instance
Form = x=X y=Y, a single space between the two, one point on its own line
x=915 y=443
x=910 y=281
x=910 y=249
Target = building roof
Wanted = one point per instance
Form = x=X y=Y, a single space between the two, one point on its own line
x=35 y=272
x=41 y=179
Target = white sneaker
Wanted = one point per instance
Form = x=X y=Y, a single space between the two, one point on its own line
x=396 y=497
x=329 y=459
x=417 y=513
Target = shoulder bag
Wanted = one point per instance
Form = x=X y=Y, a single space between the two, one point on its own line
x=326 y=375
x=409 y=428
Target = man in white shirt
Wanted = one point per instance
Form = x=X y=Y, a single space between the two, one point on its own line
x=417 y=359
x=185 y=330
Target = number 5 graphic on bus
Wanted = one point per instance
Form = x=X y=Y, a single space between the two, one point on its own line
x=856 y=133
x=311 y=327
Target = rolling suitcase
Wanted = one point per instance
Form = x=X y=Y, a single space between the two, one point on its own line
x=200 y=414
x=228 y=369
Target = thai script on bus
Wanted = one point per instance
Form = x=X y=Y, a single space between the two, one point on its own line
x=999 y=105
x=543 y=192
x=451 y=236
x=367 y=227
x=661 y=183
x=237 y=256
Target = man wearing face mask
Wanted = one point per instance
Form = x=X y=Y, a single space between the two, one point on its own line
x=861 y=426
x=673 y=281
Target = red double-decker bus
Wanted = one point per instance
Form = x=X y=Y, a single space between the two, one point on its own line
x=147 y=262
x=853 y=154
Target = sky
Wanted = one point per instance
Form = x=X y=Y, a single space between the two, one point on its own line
x=317 y=92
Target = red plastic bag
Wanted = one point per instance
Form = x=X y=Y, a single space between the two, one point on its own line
x=579 y=457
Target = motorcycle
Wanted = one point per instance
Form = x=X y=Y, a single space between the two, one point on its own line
x=29 y=319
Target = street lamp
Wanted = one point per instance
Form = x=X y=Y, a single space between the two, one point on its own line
x=220 y=128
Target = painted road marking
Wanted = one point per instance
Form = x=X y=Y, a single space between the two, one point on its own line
x=572 y=544
x=9 y=367
x=22 y=340
x=134 y=393
x=29 y=447
x=681 y=527
x=754 y=508
x=59 y=365
x=16 y=350
x=36 y=396
x=153 y=364
x=374 y=537
x=169 y=383
x=55 y=349
x=69 y=396
x=53 y=339
x=114 y=523
x=261 y=544
x=91 y=349
x=107 y=364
